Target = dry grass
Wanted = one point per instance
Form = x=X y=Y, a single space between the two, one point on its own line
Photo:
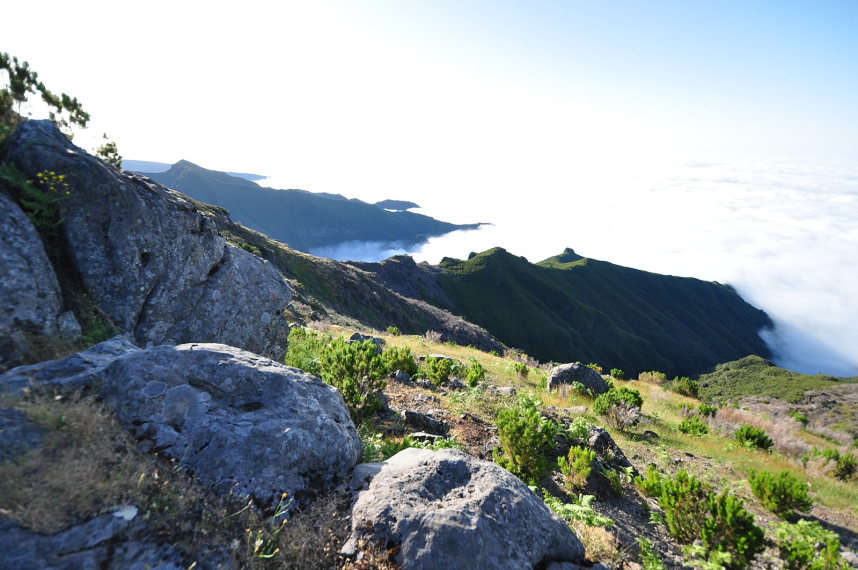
x=87 y=465
x=601 y=545
x=787 y=439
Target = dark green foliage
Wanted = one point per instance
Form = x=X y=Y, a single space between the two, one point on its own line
x=20 y=83
x=707 y=410
x=620 y=407
x=109 y=153
x=296 y=216
x=730 y=528
x=356 y=370
x=846 y=467
x=524 y=436
x=568 y=309
x=685 y=502
x=438 y=370
x=807 y=545
x=650 y=483
x=782 y=494
x=399 y=358
x=693 y=425
x=755 y=376
x=475 y=373
x=577 y=465
x=305 y=349
x=684 y=385
x=754 y=437
x=618 y=373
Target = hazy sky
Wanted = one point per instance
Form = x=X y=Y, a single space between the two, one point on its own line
x=374 y=95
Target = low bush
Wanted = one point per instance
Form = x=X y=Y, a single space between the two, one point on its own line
x=846 y=467
x=577 y=466
x=578 y=431
x=618 y=374
x=597 y=367
x=807 y=545
x=392 y=330
x=615 y=481
x=621 y=407
x=782 y=494
x=754 y=437
x=653 y=377
x=305 y=348
x=648 y=557
x=475 y=373
x=684 y=385
x=524 y=438
x=521 y=369
x=685 y=501
x=707 y=410
x=650 y=483
x=438 y=370
x=357 y=371
x=399 y=358
x=579 y=510
x=799 y=417
x=693 y=425
x=730 y=528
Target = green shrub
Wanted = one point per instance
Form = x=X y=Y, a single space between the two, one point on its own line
x=754 y=437
x=577 y=465
x=376 y=447
x=730 y=528
x=438 y=370
x=650 y=483
x=846 y=467
x=693 y=425
x=392 y=330
x=598 y=368
x=615 y=481
x=618 y=374
x=475 y=373
x=684 y=500
x=578 y=431
x=799 y=417
x=621 y=407
x=707 y=410
x=357 y=371
x=579 y=510
x=399 y=358
x=579 y=388
x=684 y=385
x=524 y=438
x=648 y=557
x=521 y=369
x=305 y=347
x=782 y=494
x=807 y=545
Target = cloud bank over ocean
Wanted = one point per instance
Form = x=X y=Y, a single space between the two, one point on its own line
x=783 y=233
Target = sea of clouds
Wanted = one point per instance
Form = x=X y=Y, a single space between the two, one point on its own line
x=783 y=232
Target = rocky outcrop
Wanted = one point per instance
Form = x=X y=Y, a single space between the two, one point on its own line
x=115 y=540
x=577 y=372
x=75 y=372
x=30 y=300
x=446 y=509
x=18 y=433
x=156 y=265
x=242 y=423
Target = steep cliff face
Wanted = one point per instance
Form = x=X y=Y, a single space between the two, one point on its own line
x=152 y=262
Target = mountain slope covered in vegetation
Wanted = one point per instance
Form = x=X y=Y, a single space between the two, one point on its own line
x=572 y=308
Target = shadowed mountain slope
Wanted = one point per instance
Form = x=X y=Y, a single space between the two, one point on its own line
x=304 y=220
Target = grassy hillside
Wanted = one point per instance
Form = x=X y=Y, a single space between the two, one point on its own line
x=755 y=376
x=302 y=219
x=572 y=308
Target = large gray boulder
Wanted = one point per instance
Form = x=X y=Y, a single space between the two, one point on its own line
x=241 y=423
x=30 y=300
x=577 y=372
x=156 y=265
x=446 y=510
